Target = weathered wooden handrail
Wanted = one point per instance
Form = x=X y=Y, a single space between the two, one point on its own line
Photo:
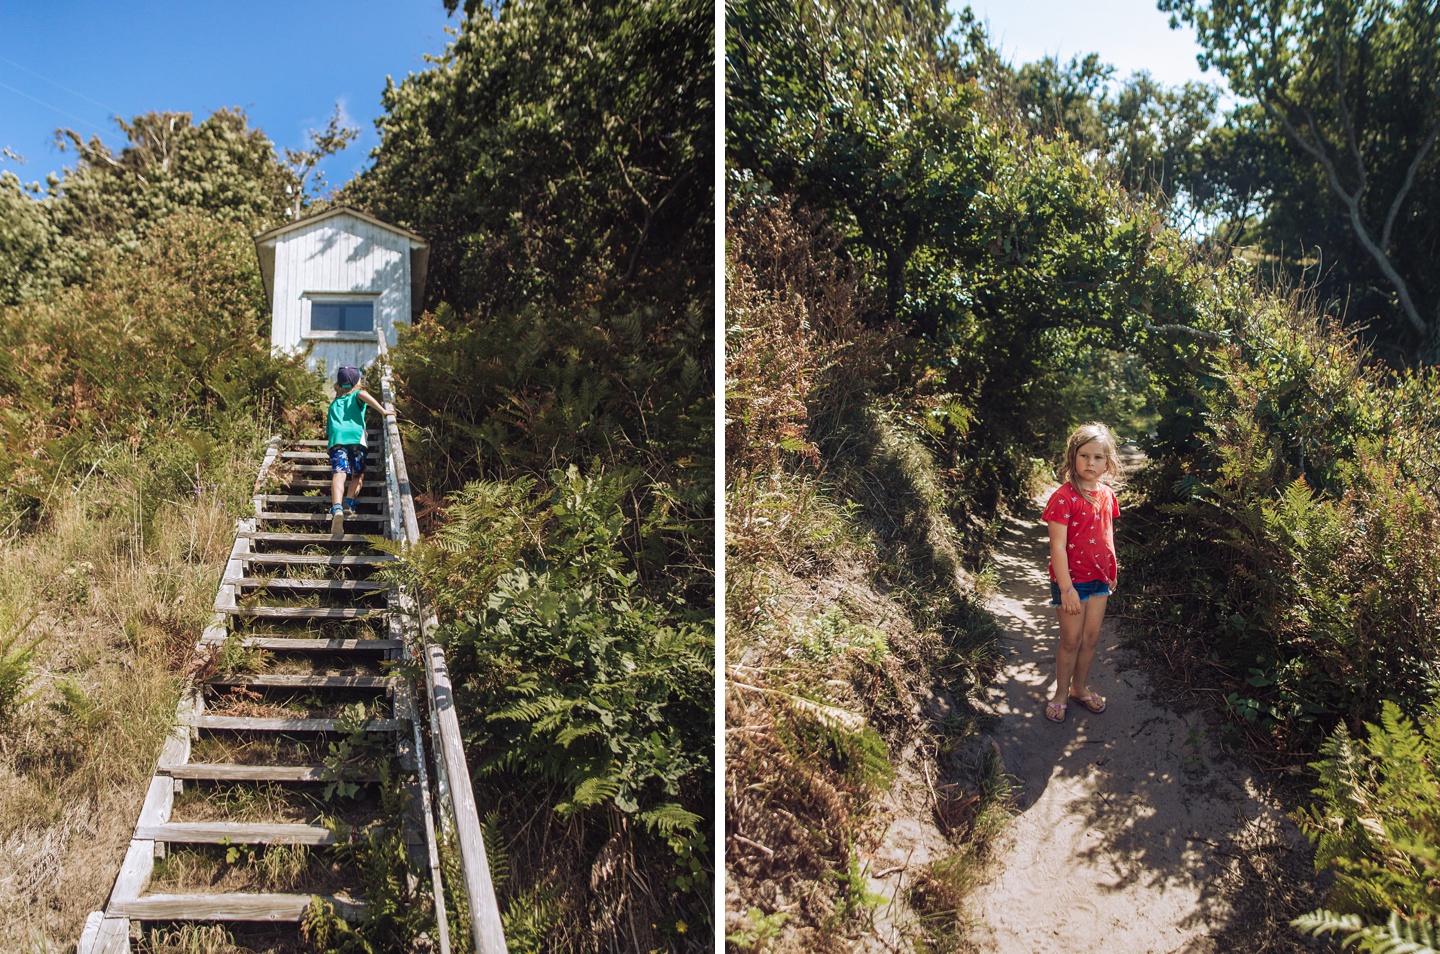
x=457 y=798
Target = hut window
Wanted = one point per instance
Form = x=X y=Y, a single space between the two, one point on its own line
x=342 y=316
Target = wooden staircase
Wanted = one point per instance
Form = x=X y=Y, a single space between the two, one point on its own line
x=295 y=693
x=294 y=661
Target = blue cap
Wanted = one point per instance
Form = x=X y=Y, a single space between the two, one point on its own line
x=346 y=376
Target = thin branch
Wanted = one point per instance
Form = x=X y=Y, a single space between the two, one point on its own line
x=769 y=853
x=1357 y=224
x=1187 y=329
x=650 y=214
x=624 y=172
x=1405 y=186
x=1330 y=168
x=1268 y=102
x=1348 y=120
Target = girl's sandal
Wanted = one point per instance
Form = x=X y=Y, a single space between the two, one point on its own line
x=1055 y=712
x=1094 y=702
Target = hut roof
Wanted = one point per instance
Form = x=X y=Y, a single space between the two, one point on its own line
x=419 y=251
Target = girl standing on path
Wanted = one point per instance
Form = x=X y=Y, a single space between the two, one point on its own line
x=1081 y=515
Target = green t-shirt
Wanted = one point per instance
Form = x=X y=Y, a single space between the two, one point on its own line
x=345 y=424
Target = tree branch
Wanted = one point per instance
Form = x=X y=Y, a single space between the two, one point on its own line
x=1405 y=186
x=1187 y=329
x=650 y=214
x=624 y=172
x=1348 y=120
x=1357 y=224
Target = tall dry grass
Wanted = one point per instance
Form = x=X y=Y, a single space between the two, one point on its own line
x=120 y=585
x=847 y=603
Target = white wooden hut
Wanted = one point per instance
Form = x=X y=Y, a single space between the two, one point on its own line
x=333 y=279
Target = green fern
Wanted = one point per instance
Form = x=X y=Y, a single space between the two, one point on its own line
x=1376 y=824
x=670 y=818
x=529 y=919
x=17 y=669
x=1396 y=936
x=593 y=791
x=79 y=707
x=497 y=853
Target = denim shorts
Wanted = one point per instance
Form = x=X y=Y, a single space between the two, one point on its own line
x=347 y=459
x=1085 y=590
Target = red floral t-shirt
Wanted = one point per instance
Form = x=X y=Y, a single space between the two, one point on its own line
x=1090 y=536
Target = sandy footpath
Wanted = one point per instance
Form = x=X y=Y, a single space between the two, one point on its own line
x=1128 y=820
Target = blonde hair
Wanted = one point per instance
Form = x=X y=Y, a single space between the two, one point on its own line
x=1082 y=435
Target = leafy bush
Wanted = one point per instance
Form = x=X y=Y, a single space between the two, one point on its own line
x=568 y=675
x=1303 y=514
x=1376 y=825
x=578 y=680
x=578 y=675
x=161 y=347
x=26 y=235
x=511 y=396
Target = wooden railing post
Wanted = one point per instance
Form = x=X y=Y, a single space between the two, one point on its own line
x=452 y=771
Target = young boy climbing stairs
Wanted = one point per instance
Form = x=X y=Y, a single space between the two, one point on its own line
x=345 y=441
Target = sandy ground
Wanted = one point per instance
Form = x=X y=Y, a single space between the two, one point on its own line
x=1129 y=821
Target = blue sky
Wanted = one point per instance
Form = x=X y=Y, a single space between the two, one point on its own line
x=1131 y=35
x=79 y=63
x=286 y=64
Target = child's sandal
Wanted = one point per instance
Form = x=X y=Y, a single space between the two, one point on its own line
x=1055 y=712
x=1094 y=702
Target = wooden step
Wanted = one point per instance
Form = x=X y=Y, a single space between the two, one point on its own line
x=303 y=612
x=318 y=500
x=266 y=536
x=373 y=492
x=320 y=454
x=288 y=583
x=295 y=468
x=318 y=559
x=228 y=907
x=282 y=644
x=302 y=682
x=252 y=724
x=231 y=833
x=280 y=516
x=374 y=484
x=225 y=772
x=374 y=438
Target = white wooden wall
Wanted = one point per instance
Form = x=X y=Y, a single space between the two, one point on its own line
x=341 y=254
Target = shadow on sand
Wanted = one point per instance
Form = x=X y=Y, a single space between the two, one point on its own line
x=1131 y=823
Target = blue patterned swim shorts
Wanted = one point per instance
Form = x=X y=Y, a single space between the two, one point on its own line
x=347 y=459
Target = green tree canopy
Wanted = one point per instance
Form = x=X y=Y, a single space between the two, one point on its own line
x=554 y=146
x=1147 y=134
x=1347 y=94
x=219 y=166
x=26 y=237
